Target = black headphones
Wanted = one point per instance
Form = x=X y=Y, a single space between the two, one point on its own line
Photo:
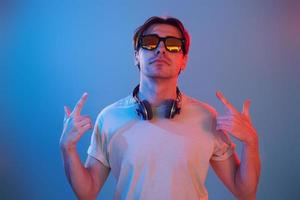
x=145 y=110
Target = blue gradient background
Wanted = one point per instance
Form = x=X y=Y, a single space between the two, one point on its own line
x=53 y=51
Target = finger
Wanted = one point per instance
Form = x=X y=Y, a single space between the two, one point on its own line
x=83 y=122
x=223 y=127
x=80 y=104
x=85 y=128
x=67 y=111
x=225 y=101
x=230 y=117
x=82 y=130
x=88 y=126
x=227 y=122
x=246 y=108
x=80 y=118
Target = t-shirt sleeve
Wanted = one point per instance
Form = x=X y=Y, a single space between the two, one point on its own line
x=223 y=146
x=99 y=141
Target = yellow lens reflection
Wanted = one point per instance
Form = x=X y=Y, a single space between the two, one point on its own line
x=149 y=46
x=174 y=48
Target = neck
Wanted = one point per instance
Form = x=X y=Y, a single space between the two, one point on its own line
x=157 y=91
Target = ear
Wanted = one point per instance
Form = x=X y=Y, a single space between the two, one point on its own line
x=136 y=58
x=184 y=61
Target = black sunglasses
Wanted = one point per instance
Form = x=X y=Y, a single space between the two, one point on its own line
x=172 y=44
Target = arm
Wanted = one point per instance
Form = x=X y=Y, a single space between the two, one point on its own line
x=247 y=175
x=86 y=181
x=240 y=177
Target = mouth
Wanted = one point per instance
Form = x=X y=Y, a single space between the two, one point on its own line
x=160 y=61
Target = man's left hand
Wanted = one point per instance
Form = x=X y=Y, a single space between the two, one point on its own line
x=237 y=124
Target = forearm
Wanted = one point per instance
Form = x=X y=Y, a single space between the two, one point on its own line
x=78 y=176
x=247 y=175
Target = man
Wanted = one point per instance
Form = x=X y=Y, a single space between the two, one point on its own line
x=159 y=142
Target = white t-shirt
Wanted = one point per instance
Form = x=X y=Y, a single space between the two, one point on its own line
x=162 y=158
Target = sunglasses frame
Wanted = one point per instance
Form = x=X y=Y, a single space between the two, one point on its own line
x=164 y=41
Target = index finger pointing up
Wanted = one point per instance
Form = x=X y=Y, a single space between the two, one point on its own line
x=225 y=101
x=80 y=104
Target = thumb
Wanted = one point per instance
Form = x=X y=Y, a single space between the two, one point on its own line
x=246 y=108
x=67 y=111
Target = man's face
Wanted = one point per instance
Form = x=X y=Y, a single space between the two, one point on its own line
x=160 y=63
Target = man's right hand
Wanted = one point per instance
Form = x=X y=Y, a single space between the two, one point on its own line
x=75 y=125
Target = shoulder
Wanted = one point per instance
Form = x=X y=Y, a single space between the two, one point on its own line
x=199 y=106
x=116 y=115
x=119 y=108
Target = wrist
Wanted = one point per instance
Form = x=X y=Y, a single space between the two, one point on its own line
x=67 y=147
x=251 y=141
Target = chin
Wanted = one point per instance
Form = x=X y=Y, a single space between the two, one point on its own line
x=159 y=72
x=159 y=76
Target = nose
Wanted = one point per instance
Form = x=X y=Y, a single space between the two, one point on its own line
x=160 y=48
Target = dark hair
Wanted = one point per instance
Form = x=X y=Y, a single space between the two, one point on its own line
x=162 y=20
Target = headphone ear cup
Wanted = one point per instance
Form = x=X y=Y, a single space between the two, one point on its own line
x=171 y=109
x=148 y=113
